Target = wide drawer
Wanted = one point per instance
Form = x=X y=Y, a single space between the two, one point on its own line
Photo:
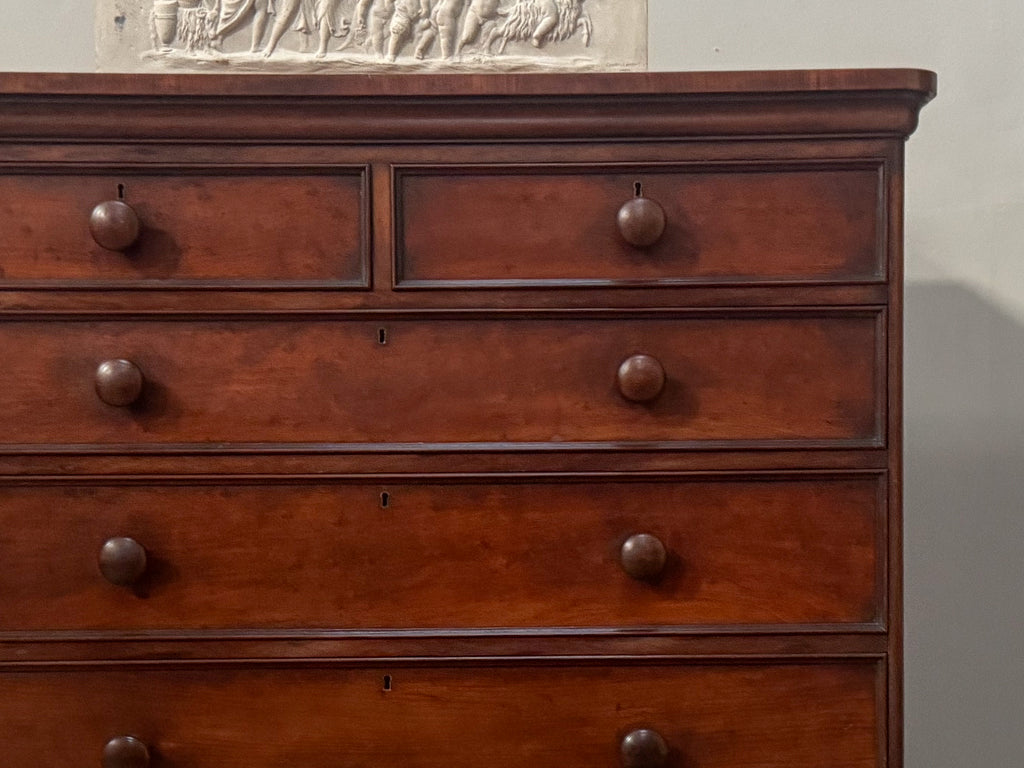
x=249 y=227
x=746 y=716
x=743 y=380
x=591 y=553
x=492 y=226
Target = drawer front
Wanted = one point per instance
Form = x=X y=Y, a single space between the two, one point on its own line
x=582 y=554
x=797 y=716
x=509 y=225
x=799 y=378
x=265 y=227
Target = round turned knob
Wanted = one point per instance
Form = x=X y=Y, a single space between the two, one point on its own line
x=644 y=749
x=643 y=556
x=122 y=561
x=114 y=225
x=641 y=378
x=641 y=222
x=118 y=382
x=125 y=752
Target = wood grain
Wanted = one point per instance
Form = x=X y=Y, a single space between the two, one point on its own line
x=369 y=506
x=457 y=556
x=254 y=226
x=850 y=81
x=737 y=379
x=542 y=225
x=745 y=716
x=379 y=109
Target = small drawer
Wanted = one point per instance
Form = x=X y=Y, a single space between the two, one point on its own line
x=186 y=227
x=637 y=716
x=794 y=380
x=596 y=553
x=509 y=226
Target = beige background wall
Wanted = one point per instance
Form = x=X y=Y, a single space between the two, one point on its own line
x=965 y=314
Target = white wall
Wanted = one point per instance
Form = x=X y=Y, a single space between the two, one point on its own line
x=964 y=318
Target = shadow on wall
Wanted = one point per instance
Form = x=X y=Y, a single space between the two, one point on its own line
x=964 y=524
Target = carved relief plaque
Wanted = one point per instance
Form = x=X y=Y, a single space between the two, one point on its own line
x=381 y=35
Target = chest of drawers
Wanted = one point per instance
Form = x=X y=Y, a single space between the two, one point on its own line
x=523 y=420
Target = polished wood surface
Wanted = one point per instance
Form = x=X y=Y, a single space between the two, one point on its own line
x=122 y=561
x=451 y=381
x=643 y=556
x=114 y=225
x=119 y=382
x=125 y=752
x=762 y=222
x=381 y=108
x=641 y=378
x=849 y=82
x=452 y=420
x=460 y=555
x=644 y=748
x=193 y=226
x=641 y=221
x=742 y=716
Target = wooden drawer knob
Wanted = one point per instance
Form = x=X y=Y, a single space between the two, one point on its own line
x=114 y=225
x=641 y=222
x=125 y=752
x=118 y=382
x=641 y=378
x=643 y=557
x=644 y=749
x=122 y=561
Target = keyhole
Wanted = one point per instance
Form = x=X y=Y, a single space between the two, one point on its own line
x=120 y=191
x=382 y=336
x=385 y=500
x=638 y=189
x=387 y=682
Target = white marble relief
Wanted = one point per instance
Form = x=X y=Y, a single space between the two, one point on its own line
x=381 y=35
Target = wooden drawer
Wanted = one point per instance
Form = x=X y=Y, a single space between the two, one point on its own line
x=714 y=716
x=248 y=227
x=493 y=226
x=468 y=555
x=741 y=380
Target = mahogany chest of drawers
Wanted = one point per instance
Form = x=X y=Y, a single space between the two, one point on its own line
x=523 y=421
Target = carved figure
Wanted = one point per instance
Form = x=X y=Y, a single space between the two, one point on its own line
x=286 y=13
x=233 y=13
x=480 y=13
x=409 y=16
x=362 y=11
x=307 y=15
x=445 y=26
x=381 y=12
x=541 y=21
x=327 y=21
x=384 y=28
